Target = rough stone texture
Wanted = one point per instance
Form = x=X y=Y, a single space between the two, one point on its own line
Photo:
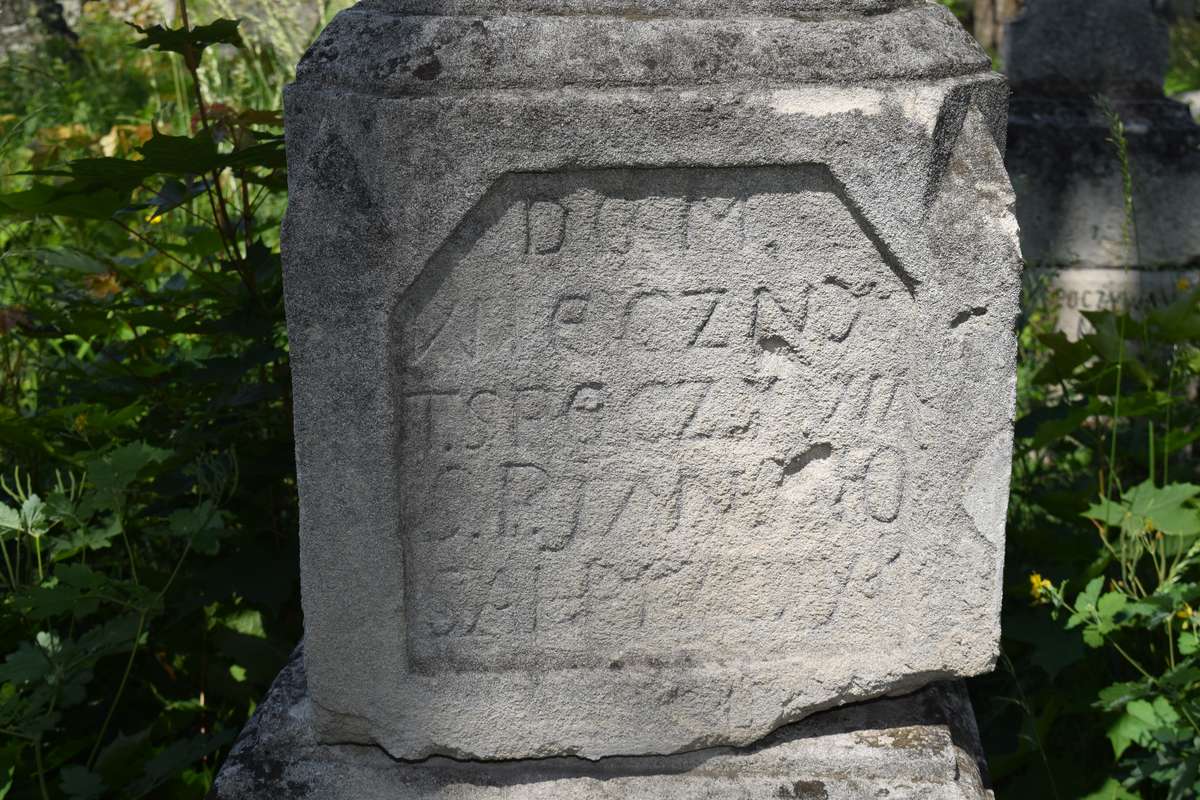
x=1066 y=172
x=653 y=383
x=1117 y=47
x=924 y=746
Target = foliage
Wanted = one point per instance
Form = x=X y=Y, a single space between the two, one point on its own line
x=1099 y=691
x=1184 y=75
x=148 y=518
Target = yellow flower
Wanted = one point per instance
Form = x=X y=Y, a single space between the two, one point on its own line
x=154 y=218
x=81 y=422
x=1038 y=587
x=1186 y=614
x=1183 y=285
x=103 y=286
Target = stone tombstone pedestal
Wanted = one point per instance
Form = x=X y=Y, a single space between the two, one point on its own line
x=1060 y=55
x=654 y=375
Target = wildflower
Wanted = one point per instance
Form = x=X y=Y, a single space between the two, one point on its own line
x=1186 y=614
x=1039 y=587
x=103 y=286
x=1183 y=285
x=80 y=423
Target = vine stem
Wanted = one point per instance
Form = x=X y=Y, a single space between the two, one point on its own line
x=41 y=767
x=132 y=653
x=91 y=761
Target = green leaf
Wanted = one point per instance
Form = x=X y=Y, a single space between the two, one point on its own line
x=1066 y=356
x=70 y=259
x=33 y=516
x=80 y=783
x=189 y=42
x=1110 y=604
x=1139 y=722
x=78 y=199
x=1085 y=602
x=181 y=155
x=10 y=518
x=1179 y=321
x=1046 y=425
x=176 y=757
x=1119 y=694
x=26 y=664
x=1106 y=341
x=88 y=537
x=112 y=472
x=201 y=526
x=9 y=757
x=1111 y=790
x=1148 y=507
x=1126 y=730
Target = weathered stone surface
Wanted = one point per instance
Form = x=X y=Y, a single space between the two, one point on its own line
x=922 y=746
x=649 y=395
x=1116 y=47
x=1065 y=168
x=1071 y=292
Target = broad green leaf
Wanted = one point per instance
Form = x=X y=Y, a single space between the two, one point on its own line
x=1179 y=321
x=69 y=258
x=1153 y=610
x=10 y=518
x=1168 y=509
x=1066 y=357
x=1085 y=603
x=1127 y=729
x=1110 y=604
x=201 y=525
x=112 y=472
x=189 y=42
x=1111 y=790
x=87 y=537
x=79 y=199
x=80 y=783
x=176 y=757
x=26 y=664
x=1182 y=675
x=33 y=516
x=119 y=762
x=181 y=155
x=1106 y=341
x=1119 y=694
x=1044 y=426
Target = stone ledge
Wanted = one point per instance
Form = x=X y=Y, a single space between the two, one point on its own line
x=923 y=745
x=378 y=53
x=654 y=8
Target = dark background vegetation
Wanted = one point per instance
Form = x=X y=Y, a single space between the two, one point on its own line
x=147 y=493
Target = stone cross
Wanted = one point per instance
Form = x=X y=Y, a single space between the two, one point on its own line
x=654 y=368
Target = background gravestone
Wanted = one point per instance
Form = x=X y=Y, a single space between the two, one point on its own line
x=654 y=370
x=1067 y=173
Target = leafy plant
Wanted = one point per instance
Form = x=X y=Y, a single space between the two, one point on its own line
x=1101 y=699
x=149 y=511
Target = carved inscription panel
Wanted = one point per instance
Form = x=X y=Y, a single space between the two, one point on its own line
x=653 y=416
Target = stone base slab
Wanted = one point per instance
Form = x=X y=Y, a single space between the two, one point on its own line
x=922 y=745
